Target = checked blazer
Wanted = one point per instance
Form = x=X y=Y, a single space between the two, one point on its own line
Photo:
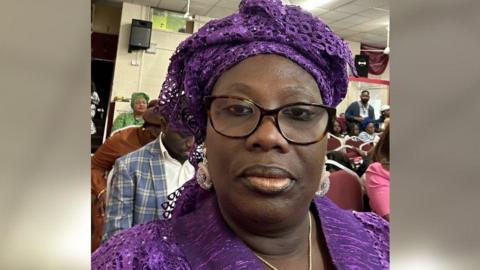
x=137 y=189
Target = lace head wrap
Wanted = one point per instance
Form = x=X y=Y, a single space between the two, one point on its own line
x=259 y=27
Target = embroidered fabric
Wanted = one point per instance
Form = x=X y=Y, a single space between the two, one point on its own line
x=197 y=238
x=152 y=250
x=379 y=230
x=259 y=27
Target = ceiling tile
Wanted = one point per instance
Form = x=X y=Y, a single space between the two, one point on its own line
x=381 y=21
x=333 y=16
x=231 y=4
x=374 y=13
x=379 y=30
x=356 y=19
x=206 y=2
x=219 y=12
x=354 y=37
x=351 y=8
x=318 y=11
x=342 y=24
x=345 y=32
x=199 y=8
x=177 y=5
x=331 y=5
x=364 y=27
x=371 y=3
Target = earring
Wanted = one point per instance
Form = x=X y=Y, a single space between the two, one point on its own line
x=202 y=175
x=324 y=187
x=324 y=184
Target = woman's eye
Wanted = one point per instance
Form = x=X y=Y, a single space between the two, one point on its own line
x=299 y=114
x=238 y=110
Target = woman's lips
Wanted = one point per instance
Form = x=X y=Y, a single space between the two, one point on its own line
x=269 y=185
x=267 y=179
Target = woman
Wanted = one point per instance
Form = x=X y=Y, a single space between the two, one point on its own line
x=353 y=130
x=258 y=89
x=121 y=143
x=138 y=103
x=337 y=129
x=377 y=180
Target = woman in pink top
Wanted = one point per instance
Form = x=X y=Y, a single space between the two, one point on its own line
x=378 y=177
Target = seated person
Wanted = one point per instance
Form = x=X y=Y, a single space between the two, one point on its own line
x=353 y=130
x=377 y=180
x=138 y=103
x=142 y=180
x=257 y=90
x=368 y=134
x=383 y=119
x=119 y=144
x=337 y=130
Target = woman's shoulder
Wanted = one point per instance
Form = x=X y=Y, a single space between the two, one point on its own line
x=378 y=169
x=145 y=246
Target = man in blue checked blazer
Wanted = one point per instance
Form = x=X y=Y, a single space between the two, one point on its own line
x=142 y=180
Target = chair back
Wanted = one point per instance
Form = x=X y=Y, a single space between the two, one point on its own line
x=334 y=143
x=365 y=147
x=345 y=188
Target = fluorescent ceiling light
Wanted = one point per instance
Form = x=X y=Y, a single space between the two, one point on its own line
x=312 y=4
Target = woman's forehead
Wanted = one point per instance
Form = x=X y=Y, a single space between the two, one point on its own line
x=270 y=75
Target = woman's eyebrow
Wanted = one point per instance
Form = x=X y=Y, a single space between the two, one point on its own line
x=301 y=92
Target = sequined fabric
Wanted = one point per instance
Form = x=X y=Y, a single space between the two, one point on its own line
x=259 y=27
x=196 y=237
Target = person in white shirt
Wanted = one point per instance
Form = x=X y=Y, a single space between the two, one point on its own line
x=368 y=134
x=143 y=179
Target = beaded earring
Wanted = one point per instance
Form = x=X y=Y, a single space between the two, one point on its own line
x=202 y=175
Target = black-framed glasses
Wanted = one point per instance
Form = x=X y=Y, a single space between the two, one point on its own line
x=299 y=123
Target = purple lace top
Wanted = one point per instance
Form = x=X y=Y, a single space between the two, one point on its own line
x=196 y=237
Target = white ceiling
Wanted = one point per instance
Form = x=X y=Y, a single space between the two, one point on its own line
x=356 y=20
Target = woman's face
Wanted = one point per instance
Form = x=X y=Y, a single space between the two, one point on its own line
x=140 y=105
x=337 y=129
x=370 y=129
x=356 y=130
x=263 y=177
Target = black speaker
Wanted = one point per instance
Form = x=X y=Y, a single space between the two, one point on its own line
x=361 y=65
x=140 y=34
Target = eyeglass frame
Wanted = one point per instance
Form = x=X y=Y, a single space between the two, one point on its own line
x=331 y=112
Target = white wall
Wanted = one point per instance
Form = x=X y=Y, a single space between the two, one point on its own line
x=149 y=74
x=141 y=71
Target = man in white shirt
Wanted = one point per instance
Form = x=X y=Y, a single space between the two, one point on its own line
x=143 y=179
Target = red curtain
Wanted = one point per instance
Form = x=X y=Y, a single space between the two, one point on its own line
x=377 y=61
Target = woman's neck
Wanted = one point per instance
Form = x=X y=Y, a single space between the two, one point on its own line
x=276 y=240
x=137 y=114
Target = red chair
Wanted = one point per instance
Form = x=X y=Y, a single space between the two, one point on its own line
x=365 y=147
x=345 y=189
x=334 y=143
x=352 y=154
x=342 y=122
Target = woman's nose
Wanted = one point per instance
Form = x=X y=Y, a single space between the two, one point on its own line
x=267 y=137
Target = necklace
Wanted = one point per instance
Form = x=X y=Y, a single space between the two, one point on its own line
x=309 y=247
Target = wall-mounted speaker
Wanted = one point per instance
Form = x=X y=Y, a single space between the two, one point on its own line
x=140 y=34
x=361 y=65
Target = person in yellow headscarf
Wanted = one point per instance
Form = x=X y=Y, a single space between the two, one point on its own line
x=138 y=102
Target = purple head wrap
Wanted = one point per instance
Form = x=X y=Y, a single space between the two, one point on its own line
x=259 y=27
